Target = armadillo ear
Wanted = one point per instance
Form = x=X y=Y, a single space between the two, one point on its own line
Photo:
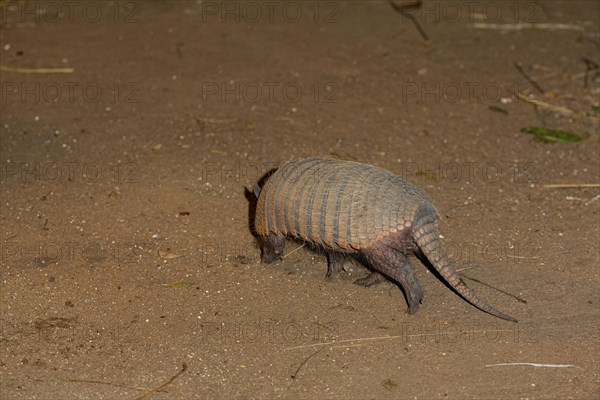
x=257 y=190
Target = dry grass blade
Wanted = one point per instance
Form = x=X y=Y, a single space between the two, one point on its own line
x=296 y=249
x=559 y=109
x=555 y=108
x=295 y=375
x=37 y=70
x=524 y=25
x=495 y=288
x=159 y=388
x=69 y=380
x=572 y=185
x=538 y=365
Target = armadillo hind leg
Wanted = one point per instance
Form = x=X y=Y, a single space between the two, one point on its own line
x=372 y=279
x=335 y=263
x=272 y=247
x=395 y=265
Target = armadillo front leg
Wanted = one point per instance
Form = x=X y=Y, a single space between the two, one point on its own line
x=272 y=247
x=395 y=265
x=335 y=263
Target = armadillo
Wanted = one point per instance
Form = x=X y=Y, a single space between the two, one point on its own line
x=352 y=209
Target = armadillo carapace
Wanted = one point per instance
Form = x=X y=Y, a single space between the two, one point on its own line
x=349 y=208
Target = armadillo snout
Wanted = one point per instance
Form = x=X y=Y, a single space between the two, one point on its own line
x=272 y=247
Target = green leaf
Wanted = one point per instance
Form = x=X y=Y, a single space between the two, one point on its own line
x=596 y=109
x=428 y=175
x=550 y=135
x=389 y=384
x=180 y=285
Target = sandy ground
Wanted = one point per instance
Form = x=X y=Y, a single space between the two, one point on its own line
x=127 y=254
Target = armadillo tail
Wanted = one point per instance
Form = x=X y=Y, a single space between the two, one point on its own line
x=427 y=237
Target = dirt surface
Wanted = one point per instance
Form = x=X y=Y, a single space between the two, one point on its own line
x=126 y=245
